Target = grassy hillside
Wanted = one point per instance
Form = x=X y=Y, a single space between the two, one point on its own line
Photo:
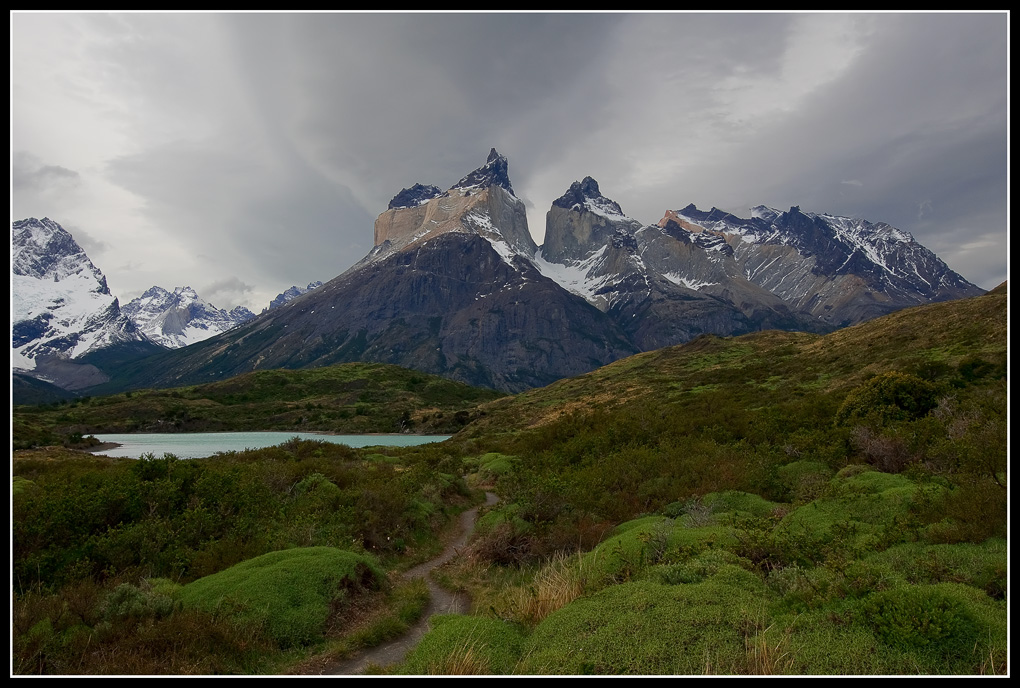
x=735 y=584
x=767 y=504
x=349 y=398
x=790 y=503
x=932 y=341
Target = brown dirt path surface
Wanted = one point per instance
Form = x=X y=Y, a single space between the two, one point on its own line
x=441 y=602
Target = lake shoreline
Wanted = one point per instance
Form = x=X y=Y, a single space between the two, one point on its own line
x=103 y=446
x=206 y=444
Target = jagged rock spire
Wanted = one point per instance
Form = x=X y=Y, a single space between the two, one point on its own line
x=492 y=173
x=587 y=190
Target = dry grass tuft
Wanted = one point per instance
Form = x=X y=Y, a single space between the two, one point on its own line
x=464 y=661
x=766 y=656
x=557 y=584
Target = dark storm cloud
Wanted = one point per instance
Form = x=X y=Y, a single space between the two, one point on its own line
x=40 y=189
x=93 y=247
x=263 y=145
x=917 y=124
x=386 y=101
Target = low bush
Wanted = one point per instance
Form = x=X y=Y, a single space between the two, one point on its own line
x=922 y=617
x=291 y=593
x=458 y=645
x=646 y=627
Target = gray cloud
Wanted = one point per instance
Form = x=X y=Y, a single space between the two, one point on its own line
x=94 y=247
x=30 y=175
x=230 y=288
x=263 y=145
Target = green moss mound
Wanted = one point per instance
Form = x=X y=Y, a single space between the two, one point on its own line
x=466 y=645
x=291 y=593
x=982 y=566
x=922 y=617
x=650 y=628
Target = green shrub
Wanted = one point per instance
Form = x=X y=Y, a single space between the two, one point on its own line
x=734 y=502
x=130 y=602
x=646 y=627
x=697 y=569
x=465 y=645
x=292 y=593
x=806 y=480
x=649 y=541
x=982 y=566
x=921 y=617
x=889 y=397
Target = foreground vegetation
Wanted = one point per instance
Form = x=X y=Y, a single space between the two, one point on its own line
x=778 y=503
x=789 y=504
x=241 y=563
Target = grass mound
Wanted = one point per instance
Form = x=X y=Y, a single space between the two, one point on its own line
x=459 y=645
x=649 y=628
x=292 y=593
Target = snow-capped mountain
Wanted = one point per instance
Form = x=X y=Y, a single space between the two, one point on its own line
x=291 y=294
x=179 y=318
x=61 y=306
x=661 y=288
x=841 y=270
x=449 y=288
x=456 y=286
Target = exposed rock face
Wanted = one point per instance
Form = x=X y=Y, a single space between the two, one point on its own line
x=291 y=294
x=583 y=220
x=415 y=196
x=661 y=286
x=179 y=318
x=841 y=270
x=495 y=172
x=450 y=288
x=482 y=203
x=454 y=306
x=61 y=306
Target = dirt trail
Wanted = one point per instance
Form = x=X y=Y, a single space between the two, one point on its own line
x=441 y=602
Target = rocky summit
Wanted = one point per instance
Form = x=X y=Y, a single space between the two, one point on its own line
x=61 y=307
x=840 y=270
x=179 y=318
x=659 y=288
x=450 y=287
x=455 y=285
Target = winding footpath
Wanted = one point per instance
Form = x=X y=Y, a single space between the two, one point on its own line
x=440 y=602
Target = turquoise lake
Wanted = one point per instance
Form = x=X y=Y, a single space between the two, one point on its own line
x=196 y=445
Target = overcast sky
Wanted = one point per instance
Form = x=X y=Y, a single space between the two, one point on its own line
x=241 y=154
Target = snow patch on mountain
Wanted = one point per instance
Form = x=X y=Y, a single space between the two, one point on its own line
x=291 y=294
x=60 y=303
x=579 y=277
x=680 y=280
x=180 y=318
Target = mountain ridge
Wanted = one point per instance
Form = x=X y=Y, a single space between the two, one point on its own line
x=455 y=285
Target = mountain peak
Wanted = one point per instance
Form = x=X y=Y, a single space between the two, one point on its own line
x=45 y=250
x=481 y=203
x=492 y=173
x=415 y=196
x=61 y=306
x=180 y=317
x=585 y=195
